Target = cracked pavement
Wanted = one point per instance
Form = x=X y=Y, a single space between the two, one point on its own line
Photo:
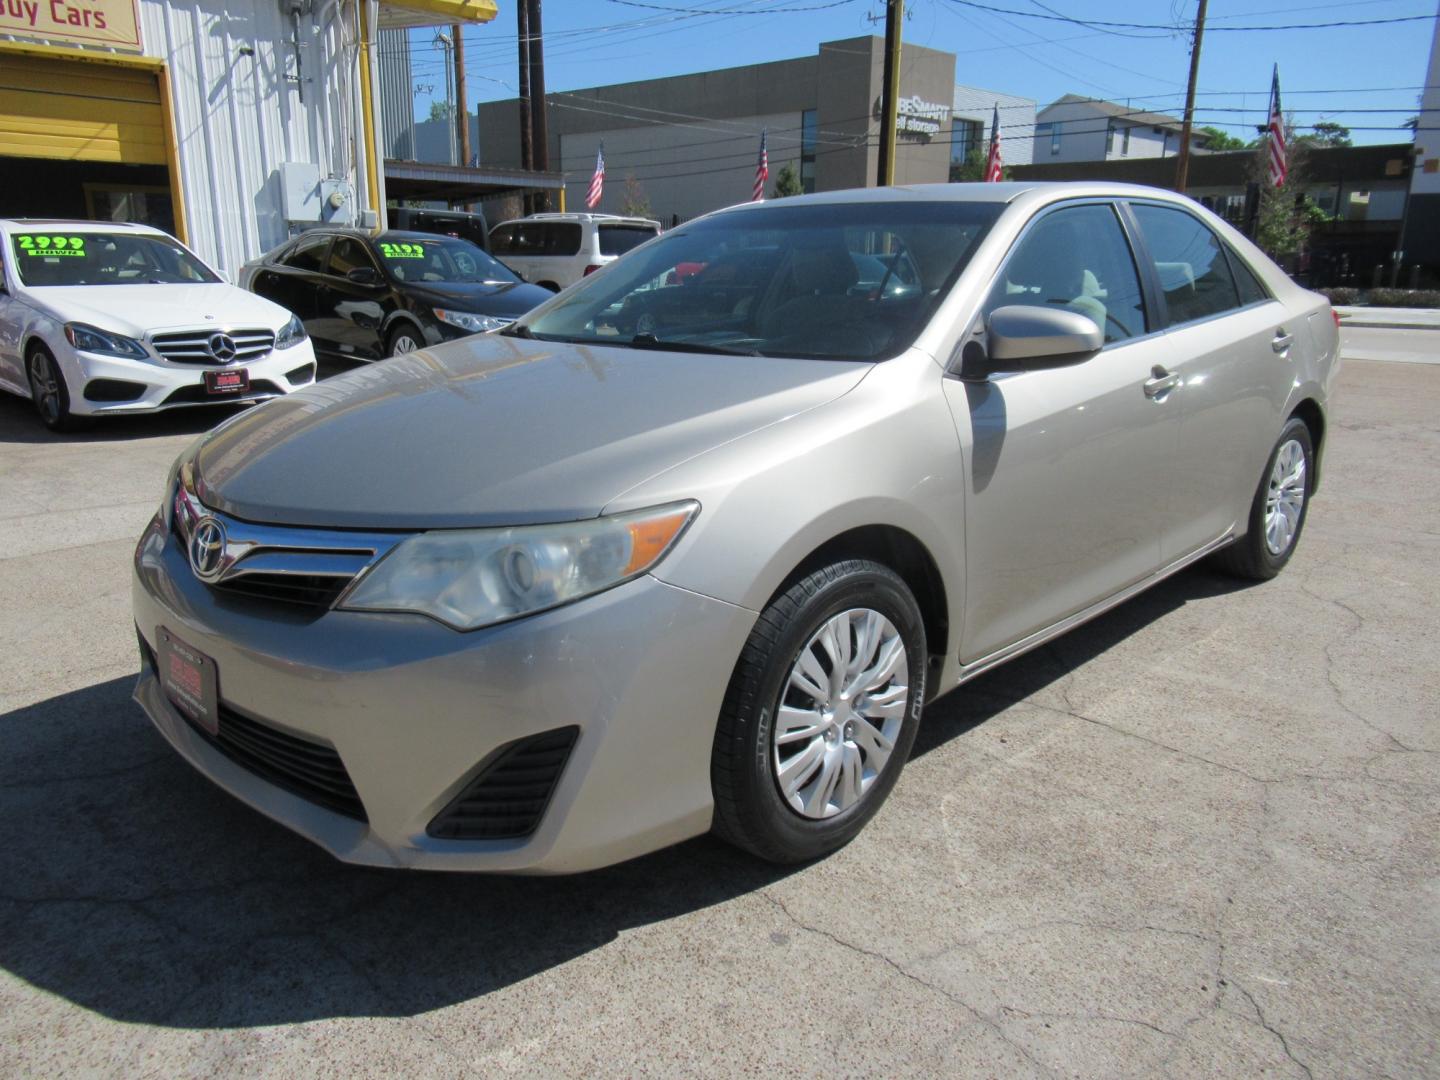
x=1197 y=837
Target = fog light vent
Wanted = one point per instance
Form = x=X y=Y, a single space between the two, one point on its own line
x=113 y=390
x=509 y=796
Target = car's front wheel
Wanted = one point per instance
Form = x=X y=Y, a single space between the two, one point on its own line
x=820 y=714
x=1278 y=509
x=404 y=339
x=48 y=392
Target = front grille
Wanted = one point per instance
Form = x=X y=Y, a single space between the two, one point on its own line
x=509 y=796
x=312 y=770
x=310 y=590
x=193 y=346
x=198 y=395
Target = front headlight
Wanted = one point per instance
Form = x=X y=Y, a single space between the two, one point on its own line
x=92 y=339
x=291 y=334
x=469 y=578
x=466 y=320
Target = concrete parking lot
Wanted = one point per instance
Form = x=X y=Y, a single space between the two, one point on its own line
x=1199 y=836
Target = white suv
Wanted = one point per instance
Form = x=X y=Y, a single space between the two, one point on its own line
x=98 y=318
x=556 y=250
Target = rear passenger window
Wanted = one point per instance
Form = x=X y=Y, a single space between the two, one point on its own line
x=1194 y=273
x=618 y=239
x=558 y=238
x=308 y=253
x=1251 y=291
x=1077 y=259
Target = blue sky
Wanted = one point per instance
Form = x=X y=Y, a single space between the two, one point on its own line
x=1366 y=77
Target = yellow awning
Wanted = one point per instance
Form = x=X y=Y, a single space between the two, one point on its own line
x=394 y=16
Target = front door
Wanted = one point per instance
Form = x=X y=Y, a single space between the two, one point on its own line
x=1067 y=467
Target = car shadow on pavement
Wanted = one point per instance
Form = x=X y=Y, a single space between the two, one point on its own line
x=131 y=886
x=19 y=424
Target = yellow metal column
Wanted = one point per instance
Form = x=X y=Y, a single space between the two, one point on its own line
x=172 y=155
x=367 y=119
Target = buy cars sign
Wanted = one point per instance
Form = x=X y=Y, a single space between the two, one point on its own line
x=83 y=22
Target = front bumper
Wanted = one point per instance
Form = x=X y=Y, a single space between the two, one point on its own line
x=166 y=385
x=412 y=708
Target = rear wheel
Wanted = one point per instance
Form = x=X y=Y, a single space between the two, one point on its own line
x=48 y=391
x=820 y=714
x=1277 y=513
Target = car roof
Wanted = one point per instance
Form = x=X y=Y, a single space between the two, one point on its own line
x=579 y=218
x=975 y=192
x=15 y=224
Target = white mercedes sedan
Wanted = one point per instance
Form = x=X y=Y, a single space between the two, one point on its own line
x=100 y=318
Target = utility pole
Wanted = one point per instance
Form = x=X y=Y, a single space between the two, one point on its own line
x=1182 y=164
x=890 y=92
x=539 y=133
x=522 y=30
x=461 y=116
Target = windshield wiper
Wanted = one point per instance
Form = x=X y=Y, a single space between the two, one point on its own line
x=650 y=341
x=517 y=330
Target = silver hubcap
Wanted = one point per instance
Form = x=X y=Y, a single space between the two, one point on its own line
x=840 y=713
x=44 y=387
x=404 y=344
x=1286 y=499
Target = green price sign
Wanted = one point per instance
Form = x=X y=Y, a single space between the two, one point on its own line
x=402 y=251
x=51 y=245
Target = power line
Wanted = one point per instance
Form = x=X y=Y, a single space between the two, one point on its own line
x=734 y=11
x=1175 y=28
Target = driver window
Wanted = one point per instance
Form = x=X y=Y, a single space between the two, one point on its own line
x=348 y=254
x=1077 y=259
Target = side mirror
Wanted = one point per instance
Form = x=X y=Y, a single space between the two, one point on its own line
x=363 y=275
x=1025 y=338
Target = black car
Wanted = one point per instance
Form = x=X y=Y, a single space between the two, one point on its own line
x=364 y=297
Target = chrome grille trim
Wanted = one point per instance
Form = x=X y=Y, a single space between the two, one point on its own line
x=254 y=554
x=193 y=346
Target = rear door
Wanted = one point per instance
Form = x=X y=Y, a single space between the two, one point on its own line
x=1231 y=344
x=294 y=282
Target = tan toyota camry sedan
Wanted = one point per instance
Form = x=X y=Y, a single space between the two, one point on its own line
x=691 y=545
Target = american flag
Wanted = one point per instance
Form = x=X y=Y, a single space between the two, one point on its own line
x=992 y=165
x=762 y=172
x=1279 y=163
x=597 y=182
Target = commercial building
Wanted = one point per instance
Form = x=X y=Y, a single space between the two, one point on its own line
x=231 y=123
x=1421 y=242
x=689 y=144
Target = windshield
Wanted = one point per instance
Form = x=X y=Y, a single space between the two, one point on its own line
x=440 y=259
x=849 y=281
x=88 y=258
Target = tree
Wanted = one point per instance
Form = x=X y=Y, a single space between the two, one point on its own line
x=441 y=110
x=1215 y=139
x=1411 y=122
x=973 y=170
x=787 y=183
x=636 y=203
x=1326 y=133
x=1285 y=216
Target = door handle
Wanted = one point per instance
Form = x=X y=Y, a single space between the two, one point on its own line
x=1282 y=340
x=1161 y=382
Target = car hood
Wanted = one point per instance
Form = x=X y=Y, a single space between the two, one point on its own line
x=504 y=300
x=494 y=430
x=135 y=310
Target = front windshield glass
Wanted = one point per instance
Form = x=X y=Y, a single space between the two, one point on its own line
x=851 y=281
x=88 y=258
x=437 y=259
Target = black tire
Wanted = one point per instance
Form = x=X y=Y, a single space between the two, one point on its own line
x=1251 y=557
x=404 y=331
x=49 y=393
x=750 y=811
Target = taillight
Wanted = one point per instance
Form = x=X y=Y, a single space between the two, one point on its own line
x=591 y=269
x=1336 y=316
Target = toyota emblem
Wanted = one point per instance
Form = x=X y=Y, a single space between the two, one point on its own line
x=222 y=347
x=207 y=549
